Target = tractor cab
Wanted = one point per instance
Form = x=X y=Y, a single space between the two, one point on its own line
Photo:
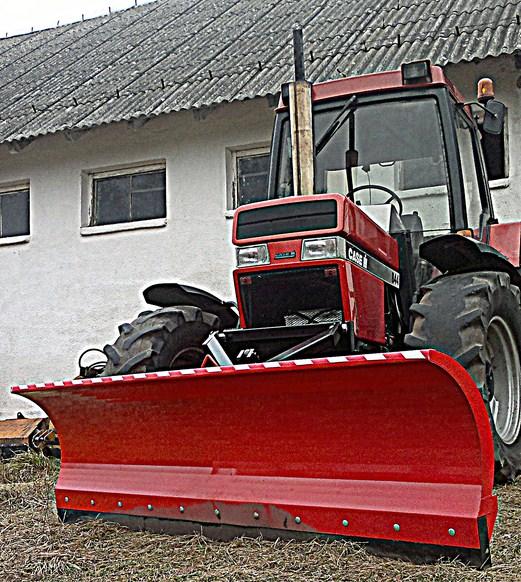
x=363 y=171
x=402 y=145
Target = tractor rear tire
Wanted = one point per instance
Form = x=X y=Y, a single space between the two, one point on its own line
x=166 y=339
x=476 y=319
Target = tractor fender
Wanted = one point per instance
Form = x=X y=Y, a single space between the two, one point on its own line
x=453 y=253
x=175 y=294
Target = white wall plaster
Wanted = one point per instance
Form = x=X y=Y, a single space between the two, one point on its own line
x=63 y=292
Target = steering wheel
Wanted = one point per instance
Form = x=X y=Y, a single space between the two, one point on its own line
x=393 y=195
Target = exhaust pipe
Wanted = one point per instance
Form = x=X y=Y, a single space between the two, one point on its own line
x=301 y=122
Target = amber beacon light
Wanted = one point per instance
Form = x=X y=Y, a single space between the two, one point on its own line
x=485 y=90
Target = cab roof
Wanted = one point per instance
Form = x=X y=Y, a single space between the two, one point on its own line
x=376 y=83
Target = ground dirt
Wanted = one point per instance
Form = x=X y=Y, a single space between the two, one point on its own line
x=34 y=545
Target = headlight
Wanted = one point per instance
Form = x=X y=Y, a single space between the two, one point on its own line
x=250 y=256
x=319 y=248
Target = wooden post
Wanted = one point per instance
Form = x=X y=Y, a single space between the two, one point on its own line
x=301 y=122
x=302 y=149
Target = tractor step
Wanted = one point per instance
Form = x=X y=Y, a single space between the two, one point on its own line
x=394 y=448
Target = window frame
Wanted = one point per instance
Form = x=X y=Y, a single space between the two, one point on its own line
x=445 y=103
x=233 y=169
x=89 y=177
x=13 y=188
x=487 y=208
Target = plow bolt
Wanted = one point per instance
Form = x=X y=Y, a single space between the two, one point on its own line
x=396 y=527
x=66 y=500
x=92 y=502
x=256 y=515
x=345 y=523
x=297 y=519
x=120 y=504
x=217 y=512
x=452 y=532
x=181 y=509
x=149 y=507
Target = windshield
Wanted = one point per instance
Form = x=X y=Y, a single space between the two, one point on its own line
x=396 y=145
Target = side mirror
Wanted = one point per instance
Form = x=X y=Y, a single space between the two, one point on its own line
x=494 y=117
x=351 y=159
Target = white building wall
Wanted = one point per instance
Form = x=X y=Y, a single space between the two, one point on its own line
x=64 y=292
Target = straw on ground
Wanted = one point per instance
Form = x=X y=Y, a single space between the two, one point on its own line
x=34 y=545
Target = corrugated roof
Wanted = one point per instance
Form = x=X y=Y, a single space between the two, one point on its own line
x=171 y=55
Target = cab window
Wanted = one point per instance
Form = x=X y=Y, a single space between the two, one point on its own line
x=466 y=146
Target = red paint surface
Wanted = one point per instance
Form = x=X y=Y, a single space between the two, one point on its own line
x=375 y=83
x=289 y=235
x=506 y=239
x=285 y=246
x=360 y=229
x=352 y=224
x=362 y=292
x=367 y=304
x=375 y=442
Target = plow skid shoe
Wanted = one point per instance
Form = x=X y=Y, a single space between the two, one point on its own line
x=390 y=448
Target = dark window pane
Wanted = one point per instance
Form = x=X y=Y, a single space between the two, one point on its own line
x=149 y=181
x=112 y=207
x=253 y=189
x=253 y=164
x=14 y=213
x=146 y=205
x=129 y=197
x=115 y=185
x=252 y=182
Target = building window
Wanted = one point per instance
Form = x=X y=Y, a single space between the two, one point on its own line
x=250 y=177
x=129 y=195
x=14 y=211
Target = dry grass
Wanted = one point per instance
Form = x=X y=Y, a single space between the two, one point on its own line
x=34 y=545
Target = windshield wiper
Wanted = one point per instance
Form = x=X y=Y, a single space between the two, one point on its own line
x=336 y=124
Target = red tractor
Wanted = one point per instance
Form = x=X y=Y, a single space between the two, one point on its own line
x=316 y=404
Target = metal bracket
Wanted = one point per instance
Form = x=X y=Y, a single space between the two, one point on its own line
x=312 y=341
x=217 y=351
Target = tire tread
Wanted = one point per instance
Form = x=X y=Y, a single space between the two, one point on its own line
x=452 y=316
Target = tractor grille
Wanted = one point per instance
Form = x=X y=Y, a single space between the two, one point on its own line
x=307 y=316
x=291 y=297
x=286 y=218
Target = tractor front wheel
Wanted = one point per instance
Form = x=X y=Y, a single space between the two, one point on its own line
x=166 y=339
x=476 y=319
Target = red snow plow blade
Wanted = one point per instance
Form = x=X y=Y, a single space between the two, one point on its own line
x=394 y=448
